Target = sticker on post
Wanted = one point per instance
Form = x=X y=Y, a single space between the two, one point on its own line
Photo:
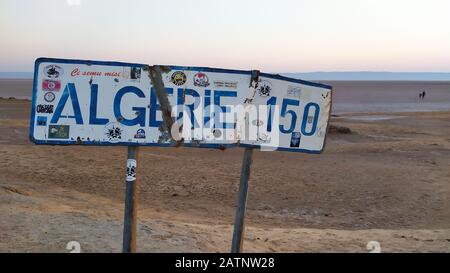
x=131 y=170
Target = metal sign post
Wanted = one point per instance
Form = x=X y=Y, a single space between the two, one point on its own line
x=239 y=222
x=130 y=217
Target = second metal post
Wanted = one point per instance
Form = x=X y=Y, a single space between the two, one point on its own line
x=239 y=222
x=130 y=217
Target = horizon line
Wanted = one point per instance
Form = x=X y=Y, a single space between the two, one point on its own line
x=316 y=76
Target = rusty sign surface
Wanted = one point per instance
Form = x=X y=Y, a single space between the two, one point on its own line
x=112 y=103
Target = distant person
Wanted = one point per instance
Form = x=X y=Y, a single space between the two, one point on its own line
x=423 y=95
x=420 y=95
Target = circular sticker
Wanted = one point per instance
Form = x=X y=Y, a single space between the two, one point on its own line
x=53 y=71
x=217 y=133
x=200 y=79
x=51 y=85
x=49 y=97
x=178 y=78
x=258 y=122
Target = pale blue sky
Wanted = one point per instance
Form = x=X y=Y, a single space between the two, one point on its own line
x=274 y=36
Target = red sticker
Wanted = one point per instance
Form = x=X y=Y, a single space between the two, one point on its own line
x=49 y=85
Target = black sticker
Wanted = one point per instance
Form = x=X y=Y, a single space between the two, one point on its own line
x=178 y=78
x=53 y=71
x=113 y=132
x=295 y=139
x=264 y=88
x=135 y=73
x=44 y=108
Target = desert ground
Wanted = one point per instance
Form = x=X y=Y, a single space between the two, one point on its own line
x=385 y=180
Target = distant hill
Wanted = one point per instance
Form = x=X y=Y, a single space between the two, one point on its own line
x=371 y=76
x=320 y=76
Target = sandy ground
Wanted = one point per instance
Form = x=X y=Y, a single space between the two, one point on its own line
x=387 y=181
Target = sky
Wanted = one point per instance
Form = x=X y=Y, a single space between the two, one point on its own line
x=273 y=36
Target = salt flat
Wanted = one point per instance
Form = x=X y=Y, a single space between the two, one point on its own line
x=385 y=181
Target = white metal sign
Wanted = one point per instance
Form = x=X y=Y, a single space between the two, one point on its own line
x=111 y=103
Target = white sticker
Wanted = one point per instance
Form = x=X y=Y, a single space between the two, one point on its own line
x=294 y=91
x=131 y=170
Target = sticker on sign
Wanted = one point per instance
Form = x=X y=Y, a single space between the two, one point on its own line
x=112 y=103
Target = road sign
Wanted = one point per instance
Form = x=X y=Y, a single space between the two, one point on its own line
x=112 y=103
